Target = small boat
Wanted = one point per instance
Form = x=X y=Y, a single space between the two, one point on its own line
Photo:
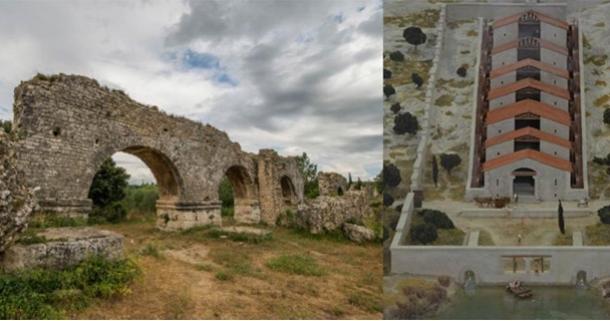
x=519 y=291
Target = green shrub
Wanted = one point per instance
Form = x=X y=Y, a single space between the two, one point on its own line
x=30 y=237
x=45 y=294
x=113 y=213
x=437 y=218
x=296 y=264
x=604 y=214
x=224 y=276
x=140 y=199
x=54 y=220
x=423 y=233
x=151 y=250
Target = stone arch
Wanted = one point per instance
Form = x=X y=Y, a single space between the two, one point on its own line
x=167 y=176
x=289 y=194
x=245 y=198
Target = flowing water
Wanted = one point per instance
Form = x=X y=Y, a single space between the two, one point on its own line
x=547 y=303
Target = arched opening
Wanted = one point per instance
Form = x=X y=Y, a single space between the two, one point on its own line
x=339 y=191
x=131 y=183
x=581 y=278
x=288 y=192
x=524 y=183
x=237 y=195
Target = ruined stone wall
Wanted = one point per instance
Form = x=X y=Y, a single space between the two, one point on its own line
x=281 y=185
x=329 y=213
x=68 y=125
x=16 y=201
x=331 y=184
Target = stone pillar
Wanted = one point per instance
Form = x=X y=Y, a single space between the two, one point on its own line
x=247 y=211
x=268 y=187
x=173 y=216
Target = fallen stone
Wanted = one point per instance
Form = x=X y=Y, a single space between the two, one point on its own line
x=328 y=213
x=357 y=233
x=63 y=247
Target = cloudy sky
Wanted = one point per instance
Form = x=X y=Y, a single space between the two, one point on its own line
x=297 y=76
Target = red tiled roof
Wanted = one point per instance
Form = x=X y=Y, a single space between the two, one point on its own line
x=528 y=131
x=528 y=82
x=529 y=62
x=541 y=16
x=543 y=44
x=540 y=157
x=528 y=106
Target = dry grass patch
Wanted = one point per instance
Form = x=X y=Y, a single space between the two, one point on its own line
x=231 y=280
x=444 y=100
x=601 y=101
x=424 y=19
x=598 y=234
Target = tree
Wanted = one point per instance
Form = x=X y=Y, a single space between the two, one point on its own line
x=417 y=80
x=397 y=56
x=391 y=175
x=462 y=71
x=358 y=184
x=604 y=214
x=423 y=233
x=108 y=184
x=405 y=123
x=607 y=116
x=395 y=108
x=309 y=171
x=7 y=125
x=379 y=182
x=562 y=227
x=434 y=171
x=450 y=161
x=387 y=74
x=388 y=90
x=414 y=36
x=437 y=218
x=225 y=193
x=349 y=180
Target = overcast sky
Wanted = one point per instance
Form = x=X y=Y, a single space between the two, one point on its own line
x=296 y=76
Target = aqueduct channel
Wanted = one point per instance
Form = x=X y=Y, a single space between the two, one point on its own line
x=66 y=126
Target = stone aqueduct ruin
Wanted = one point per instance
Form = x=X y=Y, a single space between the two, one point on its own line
x=66 y=126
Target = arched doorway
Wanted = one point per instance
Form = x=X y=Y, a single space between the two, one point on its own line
x=152 y=181
x=288 y=191
x=238 y=196
x=524 y=183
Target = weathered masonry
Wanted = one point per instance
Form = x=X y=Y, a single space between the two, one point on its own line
x=529 y=120
x=68 y=125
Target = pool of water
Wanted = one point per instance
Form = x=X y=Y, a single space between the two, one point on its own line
x=547 y=303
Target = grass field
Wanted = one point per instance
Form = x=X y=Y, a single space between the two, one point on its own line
x=201 y=275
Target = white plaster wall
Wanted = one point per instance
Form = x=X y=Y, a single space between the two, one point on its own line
x=486 y=262
x=554 y=150
x=553 y=34
x=504 y=58
x=502 y=101
x=553 y=101
x=498 y=150
x=503 y=80
x=506 y=34
x=501 y=127
x=499 y=181
x=553 y=58
x=557 y=129
x=552 y=79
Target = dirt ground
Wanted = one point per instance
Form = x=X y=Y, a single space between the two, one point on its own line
x=184 y=277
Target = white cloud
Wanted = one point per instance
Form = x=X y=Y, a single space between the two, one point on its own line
x=307 y=73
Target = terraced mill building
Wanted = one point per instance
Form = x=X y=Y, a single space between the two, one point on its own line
x=528 y=127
